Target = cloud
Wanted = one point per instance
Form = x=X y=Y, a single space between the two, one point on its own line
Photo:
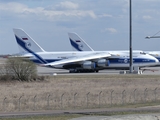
x=151 y=0
x=21 y=10
x=12 y=7
x=105 y=15
x=111 y=30
x=147 y=17
x=68 y=5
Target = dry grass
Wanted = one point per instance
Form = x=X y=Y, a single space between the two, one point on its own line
x=68 y=85
x=82 y=84
x=78 y=83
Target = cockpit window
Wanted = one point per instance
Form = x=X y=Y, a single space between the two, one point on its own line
x=143 y=53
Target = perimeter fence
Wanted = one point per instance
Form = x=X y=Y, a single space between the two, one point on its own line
x=101 y=99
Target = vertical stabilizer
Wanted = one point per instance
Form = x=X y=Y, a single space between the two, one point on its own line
x=25 y=42
x=78 y=44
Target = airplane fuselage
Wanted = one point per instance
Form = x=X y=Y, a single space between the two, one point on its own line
x=118 y=60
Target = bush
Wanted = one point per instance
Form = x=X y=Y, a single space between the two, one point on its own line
x=20 y=69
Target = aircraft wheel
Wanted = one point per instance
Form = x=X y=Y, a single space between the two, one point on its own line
x=72 y=70
x=78 y=71
x=97 y=71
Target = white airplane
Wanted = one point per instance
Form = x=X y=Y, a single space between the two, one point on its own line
x=81 y=45
x=87 y=61
x=78 y=44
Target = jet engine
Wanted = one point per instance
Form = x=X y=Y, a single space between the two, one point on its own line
x=88 y=65
x=102 y=63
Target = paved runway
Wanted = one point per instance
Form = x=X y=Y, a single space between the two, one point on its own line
x=150 y=110
x=52 y=71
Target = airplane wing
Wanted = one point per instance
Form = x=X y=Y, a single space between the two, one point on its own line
x=79 y=59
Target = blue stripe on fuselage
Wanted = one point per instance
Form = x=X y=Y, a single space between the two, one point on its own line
x=23 y=45
x=125 y=60
x=76 y=46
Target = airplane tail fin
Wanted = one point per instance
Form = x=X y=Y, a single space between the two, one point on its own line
x=78 y=44
x=25 y=42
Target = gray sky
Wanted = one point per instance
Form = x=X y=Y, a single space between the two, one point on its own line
x=103 y=24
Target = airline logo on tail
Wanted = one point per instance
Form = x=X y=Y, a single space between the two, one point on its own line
x=77 y=44
x=28 y=44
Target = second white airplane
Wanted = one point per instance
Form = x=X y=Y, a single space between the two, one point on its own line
x=87 y=61
x=78 y=44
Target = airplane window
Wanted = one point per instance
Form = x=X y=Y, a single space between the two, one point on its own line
x=143 y=53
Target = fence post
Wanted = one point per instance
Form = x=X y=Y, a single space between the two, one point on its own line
x=35 y=102
x=19 y=102
x=123 y=96
x=145 y=94
x=135 y=95
x=75 y=100
x=111 y=96
x=62 y=100
x=4 y=104
x=87 y=98
x=99 y=98
x=155 y=93
x=48 y=105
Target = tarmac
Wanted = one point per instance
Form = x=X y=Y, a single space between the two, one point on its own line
x=152 y=113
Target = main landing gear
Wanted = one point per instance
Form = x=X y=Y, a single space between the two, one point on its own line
x=82 y=71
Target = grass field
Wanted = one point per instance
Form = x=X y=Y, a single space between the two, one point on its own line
x=67 y=86
x=81 y=84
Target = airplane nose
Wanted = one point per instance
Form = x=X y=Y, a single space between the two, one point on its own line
x=156 y=60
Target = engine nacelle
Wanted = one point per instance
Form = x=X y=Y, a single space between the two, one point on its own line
x=88 y=65
x=102 y=63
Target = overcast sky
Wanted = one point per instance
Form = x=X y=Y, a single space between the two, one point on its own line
x=103 y=24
